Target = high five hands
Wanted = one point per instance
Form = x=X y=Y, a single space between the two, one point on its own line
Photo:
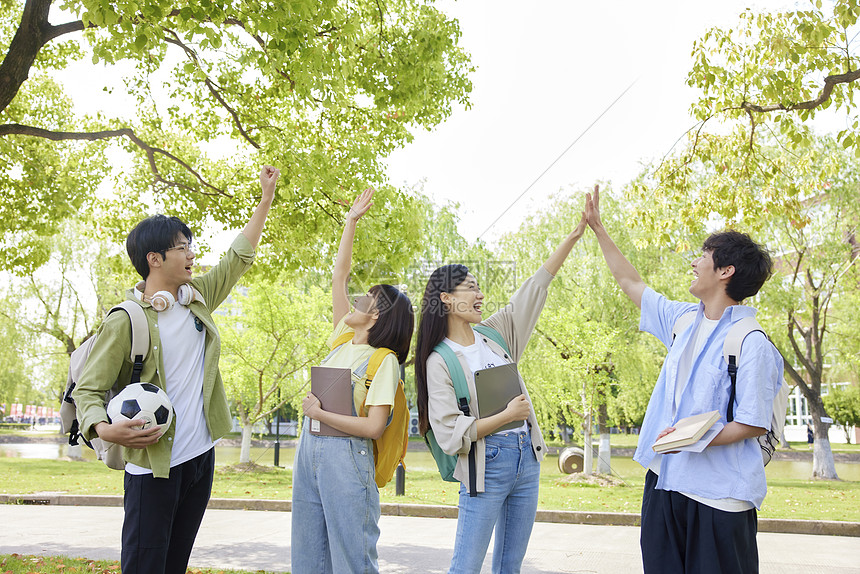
x=592 y=208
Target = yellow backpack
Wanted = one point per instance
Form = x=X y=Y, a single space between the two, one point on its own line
x=389 y=450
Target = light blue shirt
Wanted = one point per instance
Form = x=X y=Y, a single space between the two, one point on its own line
x=729 y=471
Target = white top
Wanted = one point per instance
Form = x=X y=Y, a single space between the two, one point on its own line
x=706 y=327
x=698 y=339
x=479 y=356
x=182 y=340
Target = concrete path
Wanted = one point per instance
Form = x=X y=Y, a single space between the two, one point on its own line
x=256 y=540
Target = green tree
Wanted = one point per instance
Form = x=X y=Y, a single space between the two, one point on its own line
x=15 y=347
x=271 y=337
x=762 y=83
x=844 y=407
x=324 y=90
x=815 y=257
x=61 y=304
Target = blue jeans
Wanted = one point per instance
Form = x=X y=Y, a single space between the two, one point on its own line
x=508 y=504
x=335 y=516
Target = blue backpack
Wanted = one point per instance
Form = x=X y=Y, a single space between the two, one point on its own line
x=446 y=463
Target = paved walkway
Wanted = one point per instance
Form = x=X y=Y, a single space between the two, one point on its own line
x=257 y=540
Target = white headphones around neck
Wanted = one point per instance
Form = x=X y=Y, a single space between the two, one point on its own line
x=164 y=300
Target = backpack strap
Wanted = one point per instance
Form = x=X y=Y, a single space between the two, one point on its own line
x=488 y=331
x=373 y=364
x=368 y=370
x=139 y=335
x=338 y=343
x=461 y=389
x=682 y=322
x=343 y=338
x=732 y=354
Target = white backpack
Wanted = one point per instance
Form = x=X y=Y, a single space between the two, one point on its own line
x=68 y=412
x=732 y=354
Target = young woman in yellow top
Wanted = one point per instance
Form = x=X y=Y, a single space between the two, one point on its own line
x=335 y=511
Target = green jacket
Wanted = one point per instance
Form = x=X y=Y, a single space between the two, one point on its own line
x=109 y=361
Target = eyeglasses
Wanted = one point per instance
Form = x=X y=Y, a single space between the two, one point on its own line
x=186 y=247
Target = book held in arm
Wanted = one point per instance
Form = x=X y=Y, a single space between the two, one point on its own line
x=495 y=388
x=688 y=431
x=333 y=387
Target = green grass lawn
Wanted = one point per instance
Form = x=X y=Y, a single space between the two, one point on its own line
x=21 y=564
x=787 y=497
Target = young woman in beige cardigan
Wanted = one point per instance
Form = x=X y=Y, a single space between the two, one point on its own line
x=508 y=462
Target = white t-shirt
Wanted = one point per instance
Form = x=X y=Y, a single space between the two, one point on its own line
x=479 y=356
x=182 y=340
x=706 y=327
x=697 y=341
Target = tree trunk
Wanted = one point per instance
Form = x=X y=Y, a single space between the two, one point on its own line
x=245 y=451
x=823 y=465
x=604 y=452
x=565 y=436
x=822 y=459
x=587 y=448
x=74 y=452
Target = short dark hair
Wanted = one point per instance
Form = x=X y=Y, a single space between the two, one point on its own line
x=393 y=327
x=154 y=234
x=752 y=262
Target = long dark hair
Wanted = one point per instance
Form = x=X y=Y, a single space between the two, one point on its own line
x=393 y=328
x=432 y=329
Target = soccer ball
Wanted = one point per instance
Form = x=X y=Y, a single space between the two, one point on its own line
x=141 y=401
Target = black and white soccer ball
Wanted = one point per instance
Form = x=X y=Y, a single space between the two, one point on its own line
x=141 y=401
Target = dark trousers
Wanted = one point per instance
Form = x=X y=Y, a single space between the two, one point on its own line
x=163 y=515
x=682 y=536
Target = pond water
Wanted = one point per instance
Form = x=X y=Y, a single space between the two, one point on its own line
x=416 y=460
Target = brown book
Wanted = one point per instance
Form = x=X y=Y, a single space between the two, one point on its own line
x=495 y=388
x=687 y=431
x=333 y=387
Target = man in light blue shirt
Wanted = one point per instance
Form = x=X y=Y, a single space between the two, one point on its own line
x=699 y=508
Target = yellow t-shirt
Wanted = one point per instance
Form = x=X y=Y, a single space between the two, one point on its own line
x=352 y=357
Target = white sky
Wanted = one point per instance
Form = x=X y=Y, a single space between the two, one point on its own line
x=546 y=70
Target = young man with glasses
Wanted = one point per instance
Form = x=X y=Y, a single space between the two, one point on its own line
x=168 y=471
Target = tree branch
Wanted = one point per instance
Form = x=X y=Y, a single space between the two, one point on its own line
x=213 y=89
x=563 y=352
x=829 y=83
x=150 y=151
x=67 y=28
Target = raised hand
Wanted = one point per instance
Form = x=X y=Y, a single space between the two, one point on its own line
x=579 y=230
x=268 y=179
x=592 y=208
x=361 y=204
